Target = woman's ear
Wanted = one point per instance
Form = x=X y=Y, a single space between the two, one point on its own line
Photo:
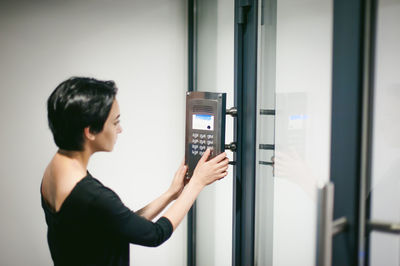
x=88 y=135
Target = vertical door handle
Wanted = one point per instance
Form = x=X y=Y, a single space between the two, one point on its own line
x=326 y=226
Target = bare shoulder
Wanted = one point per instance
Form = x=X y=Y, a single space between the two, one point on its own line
x=59 y=179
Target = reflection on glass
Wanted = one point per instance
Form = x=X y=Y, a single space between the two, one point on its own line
x=385 y=183
x=264 y=205
x=295 y=63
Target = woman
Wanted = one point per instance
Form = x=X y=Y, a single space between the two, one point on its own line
x=87 y=222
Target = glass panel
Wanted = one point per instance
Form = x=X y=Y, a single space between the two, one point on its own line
x=295 y=58
x=385 y=183
x=265 y=134
x=215 y=73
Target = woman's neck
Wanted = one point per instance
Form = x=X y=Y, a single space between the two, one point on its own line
x=81 y=158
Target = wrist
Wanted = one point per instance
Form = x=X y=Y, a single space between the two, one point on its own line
x=195 y=182
x=170 y=195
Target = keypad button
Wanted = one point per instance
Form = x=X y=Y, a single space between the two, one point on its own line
x=202 y=141
x=202 y=136
x=195 y=141
x=195 y=147
x=202 y=148
x=210 y=142
x=210 y=136
x=195 y=152
x=210 y=147
x=201 y=153
x=195 y=135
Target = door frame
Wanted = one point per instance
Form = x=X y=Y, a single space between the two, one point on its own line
x=246 y=29
x=351 y=133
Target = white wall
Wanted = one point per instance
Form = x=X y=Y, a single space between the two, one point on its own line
x=142 y=45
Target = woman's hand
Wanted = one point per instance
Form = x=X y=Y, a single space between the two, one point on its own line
x=206 y=172
x=151 y=210
x=178 y=183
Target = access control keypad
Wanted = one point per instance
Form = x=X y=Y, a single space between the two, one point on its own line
x=200 y=142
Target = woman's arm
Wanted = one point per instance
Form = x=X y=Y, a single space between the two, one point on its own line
x=110 y=212
x=151 y=210
x=206 y=172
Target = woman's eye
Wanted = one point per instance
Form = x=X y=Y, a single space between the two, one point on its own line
x=116 y=123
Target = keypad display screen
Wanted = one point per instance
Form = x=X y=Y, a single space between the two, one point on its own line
x=203 y=122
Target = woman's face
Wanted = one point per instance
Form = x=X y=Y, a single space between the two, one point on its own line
x=105 y=140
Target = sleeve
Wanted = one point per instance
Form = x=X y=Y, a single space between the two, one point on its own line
x=118 y=219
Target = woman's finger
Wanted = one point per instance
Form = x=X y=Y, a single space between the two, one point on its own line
x=205 y=156
x=218 y=167
x=223 y=162
x=183 y=169
x=219 y=157
x=222 y=175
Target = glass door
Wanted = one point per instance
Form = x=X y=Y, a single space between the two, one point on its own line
x=294 y=125
x=384 y=194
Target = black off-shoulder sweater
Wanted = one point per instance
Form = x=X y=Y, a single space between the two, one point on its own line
x=93 y=227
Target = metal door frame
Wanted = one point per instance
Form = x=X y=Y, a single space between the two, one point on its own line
x=351 y=135
x=192 y=86
x=246 y=29
x=244 y=129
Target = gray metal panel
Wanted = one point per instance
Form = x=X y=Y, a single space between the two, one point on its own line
x=204 y=103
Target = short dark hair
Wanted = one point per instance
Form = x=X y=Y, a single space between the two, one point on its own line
x=75 y=104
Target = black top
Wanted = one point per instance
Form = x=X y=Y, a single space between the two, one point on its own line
x=93 y=227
